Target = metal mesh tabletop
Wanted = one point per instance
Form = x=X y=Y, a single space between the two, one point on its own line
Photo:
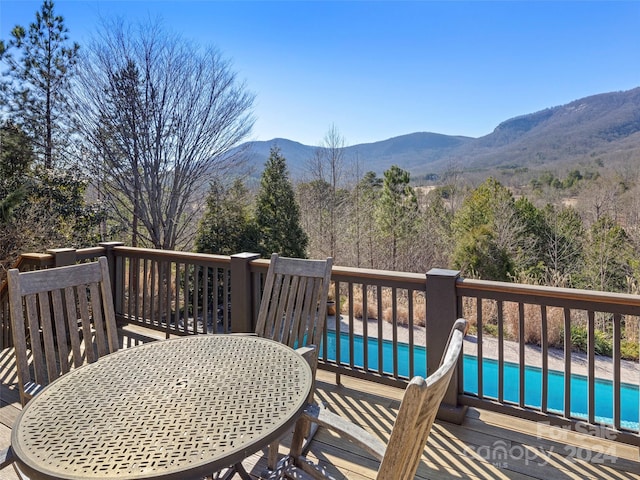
x=178 y=408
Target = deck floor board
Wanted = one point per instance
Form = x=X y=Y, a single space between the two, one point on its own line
x=487 y=445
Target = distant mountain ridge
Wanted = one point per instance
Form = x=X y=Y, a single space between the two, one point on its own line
x=605 y=127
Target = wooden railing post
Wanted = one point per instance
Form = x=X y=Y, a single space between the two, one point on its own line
x=241 y=292
x=63 y=256
x=116 y=287
x=442 y=312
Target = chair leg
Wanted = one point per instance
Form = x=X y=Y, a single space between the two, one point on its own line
x=272 y=455
x=311 y=429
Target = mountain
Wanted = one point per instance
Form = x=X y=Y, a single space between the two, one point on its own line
x=603 y=128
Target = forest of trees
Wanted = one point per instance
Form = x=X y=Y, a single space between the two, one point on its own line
x=590 y=240
x=131 y=137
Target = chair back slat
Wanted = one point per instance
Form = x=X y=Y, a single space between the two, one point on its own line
x=19 y=334
x=418 y=411
x=47 y=331
x=318 y=289
x=106 y=297
x=87 y=326
x=294 y=301
x=60 y=326
x=31 y=303
x=61 y=317
x=71 y=314
x=295 y=312
x=101 y=334
x=280 y=298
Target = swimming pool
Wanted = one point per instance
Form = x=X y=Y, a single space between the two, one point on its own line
x=629 y=395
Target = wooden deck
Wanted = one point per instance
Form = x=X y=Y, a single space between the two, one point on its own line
x=486 y=446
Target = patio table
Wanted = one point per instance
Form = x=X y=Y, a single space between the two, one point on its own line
x=179 y=408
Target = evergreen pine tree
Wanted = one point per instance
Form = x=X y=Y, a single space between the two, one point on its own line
x=397 y=212
x=37 y=96
x=227 y=226
x=277 y=212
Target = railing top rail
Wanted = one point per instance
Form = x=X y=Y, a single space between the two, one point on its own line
x=171 y=255
x=259 y=265
x=362 y=275
x=34 y=259
x=89 y=253
x=472 y=287
x=383 y=277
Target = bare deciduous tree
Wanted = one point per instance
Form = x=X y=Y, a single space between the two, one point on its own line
x=328 y=166
x=162 y=116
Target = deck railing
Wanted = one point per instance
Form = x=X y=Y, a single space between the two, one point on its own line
x=408 y=319
x=520 y=315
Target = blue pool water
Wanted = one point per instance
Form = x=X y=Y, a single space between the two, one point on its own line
x=629 y=401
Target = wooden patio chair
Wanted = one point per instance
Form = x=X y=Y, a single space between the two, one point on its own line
x=293 y=311
x=399 y=459
x=61 y=318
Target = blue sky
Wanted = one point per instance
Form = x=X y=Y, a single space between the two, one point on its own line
x=380 y=69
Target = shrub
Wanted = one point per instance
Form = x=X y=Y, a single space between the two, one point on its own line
x=580 y=338
x=386 y=301
x=372 y=310
x=629 y=350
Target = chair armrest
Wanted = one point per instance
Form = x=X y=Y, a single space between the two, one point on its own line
x=344 y=428
x=308 y=353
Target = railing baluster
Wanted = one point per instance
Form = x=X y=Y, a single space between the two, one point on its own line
x=338 y=332
x=521 y=354
x=380 y=332
x=206 y=271
x=394 y=323
x=591 y=367
x=145 y=286
x=567 y=362
x=544 y=342
x=324 y=354
x=155 y=318
x=136 y=288
x=351 y=324
x=168 y=298
x=216 y=301
x=131 y=290
x=185 y=298
x=365 y=325
x=168 y=295
x=500 y=352
x=411 y=330
x=479 y=353
x=176 y=296
x=617 y=333
x=225 y=301
x=119 y=284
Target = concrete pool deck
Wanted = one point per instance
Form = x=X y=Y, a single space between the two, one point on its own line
x=629 y=370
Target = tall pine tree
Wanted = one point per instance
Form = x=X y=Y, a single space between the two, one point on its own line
x=277 y=212
x=397 y=210
x=39 y=80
